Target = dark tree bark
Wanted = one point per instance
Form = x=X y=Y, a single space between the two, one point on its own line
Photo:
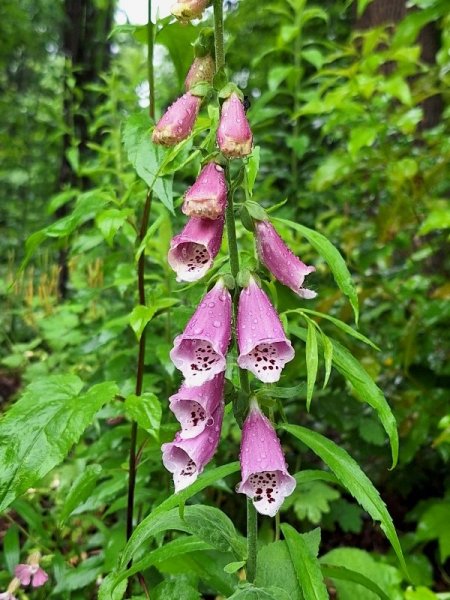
x=380 y=12
x=87 y=51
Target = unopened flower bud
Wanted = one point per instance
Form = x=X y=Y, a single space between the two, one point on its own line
x=207 y=198
x=185 y=10
x=234 y=135
x=178 y=120
x=201 y=71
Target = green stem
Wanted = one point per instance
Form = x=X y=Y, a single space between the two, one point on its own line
x=218 y=34
x=252 y=537
x=134 y=456
x=252 y=521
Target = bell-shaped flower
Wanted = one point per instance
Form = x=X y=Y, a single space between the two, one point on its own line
x=193 y=251
x=185 y=10
x=265 y=477
x=201 y=71
x=186 y=458
x=199 y=352
x=280 y=261
x=194 y=406
x=234 y=135
x=207 y=198
x=31 y=572
x=263 y=346
x=178 y=120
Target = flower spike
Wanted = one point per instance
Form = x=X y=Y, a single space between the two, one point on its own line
x=234 y=135
x=178 y=120
x=207 y=198
x=194 y=406
x=199 y=352
x=186 y=458
x=280 y=261
x=265 y=477
x=263 y=346
x=192 y=251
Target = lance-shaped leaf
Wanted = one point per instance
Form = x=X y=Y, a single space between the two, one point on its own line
x=352 y=478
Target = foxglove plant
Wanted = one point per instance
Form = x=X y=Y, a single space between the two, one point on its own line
x=186 y=458
x=192 y=251
x=234 y=135
x=186 y=10
x=265 y=478
x=194 y=407
x=263 y=346
x=178 y=121
x=201 y=71
x=207 y=198
x=199 y=352
x=280 y=260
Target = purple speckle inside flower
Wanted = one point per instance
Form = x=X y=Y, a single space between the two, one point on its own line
x=192 y=417
x=266 y=361
x=266 y=490
x=195 y=258
x=202 y=362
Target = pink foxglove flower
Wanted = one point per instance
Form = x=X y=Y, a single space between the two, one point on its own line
x=265 y=477
x=178 y=120
x=185 y=10
x=192 y=251
x=194 y=406
x=207 y=198
x=187 y=458
x=31 y=573
x=280 y=261
x=263 y=346
x=202 y=70
x=234 y=135
x=199 y=352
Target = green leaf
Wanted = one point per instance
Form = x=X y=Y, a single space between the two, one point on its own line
x=277 y=75
x=147 y=158
x=139 y=318
x=146 y=410
x=146 y=528
x=342 y=326
x=233 y=567
x=337 y=572
x=434 y=524
x=251 y=592
x=178 y=39
x=364 y=388
x=313 y=56
x=352 y=478
x=42 y=426
x=252 y=168
x=274 y=568
x=110 y=221
x=313 y=500
x=327 y=356
x=177 y=589
x=314 y=475
x=11 y=548
x=279 y=392
x=361 y=137
x=312 y=362
x=362 y=4
x=305 y=564
x=79 y=491
x=437 y=218
x=333 y=258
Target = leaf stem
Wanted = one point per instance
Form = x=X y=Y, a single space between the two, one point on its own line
x=133 y=456
x=252 y=521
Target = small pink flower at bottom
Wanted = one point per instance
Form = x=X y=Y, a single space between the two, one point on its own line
x=263 y=346
x=186 y=459
x=193 y=251
x=199 y=352
x=207 y=198
x=265 y=477
x=31 y=573
x=7 y=596
x=178 y=120
x=234 y=135
x=280 y=261
x=193 y=406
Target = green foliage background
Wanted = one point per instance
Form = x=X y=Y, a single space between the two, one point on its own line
x=338 y=115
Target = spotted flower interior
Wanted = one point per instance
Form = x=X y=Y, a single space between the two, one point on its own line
x=191 y=260
x=199 y=361
x=267 y=491
x=192 y=417
x=266 y=361
x=183 y=468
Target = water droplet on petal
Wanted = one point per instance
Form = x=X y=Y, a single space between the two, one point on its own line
x=217 y=323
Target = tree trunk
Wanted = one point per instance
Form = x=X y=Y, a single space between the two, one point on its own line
x=87 y=52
